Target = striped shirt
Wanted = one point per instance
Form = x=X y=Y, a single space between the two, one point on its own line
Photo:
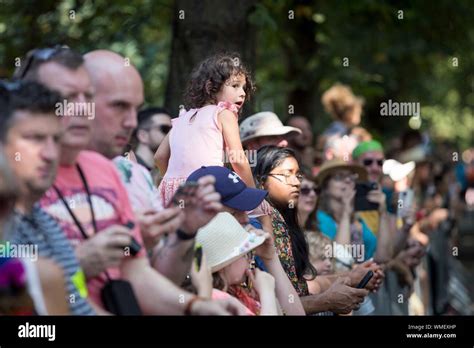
x=39 y=228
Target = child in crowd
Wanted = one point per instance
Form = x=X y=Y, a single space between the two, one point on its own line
x=320 y=252
x=208 y=129
x=228 y=249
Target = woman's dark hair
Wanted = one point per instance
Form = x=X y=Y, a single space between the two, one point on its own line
x=268 y=158
x=310 y=224
x=210 y=75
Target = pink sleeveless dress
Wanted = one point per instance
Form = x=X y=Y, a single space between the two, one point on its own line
x=196 y=140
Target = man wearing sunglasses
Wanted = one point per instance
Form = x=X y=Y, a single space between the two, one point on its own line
x=370 y=155
x=153 y=125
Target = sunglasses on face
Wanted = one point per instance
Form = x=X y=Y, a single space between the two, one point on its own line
x=40 y=55
x=368 y=162
x=163 y=128
x=305 y=191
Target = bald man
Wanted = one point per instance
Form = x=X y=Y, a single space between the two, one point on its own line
x=118 y=95
x=92 y=206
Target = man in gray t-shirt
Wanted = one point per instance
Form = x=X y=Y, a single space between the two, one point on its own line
x=30 y=134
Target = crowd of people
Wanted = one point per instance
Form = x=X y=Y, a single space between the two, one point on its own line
x=130 y=211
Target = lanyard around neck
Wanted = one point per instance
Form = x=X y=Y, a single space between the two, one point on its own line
x=89 y=199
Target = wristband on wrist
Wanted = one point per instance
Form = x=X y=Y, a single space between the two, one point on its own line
x=189 y=305
x=184 y=236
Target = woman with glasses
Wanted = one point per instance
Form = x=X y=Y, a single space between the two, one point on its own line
x=278 y=172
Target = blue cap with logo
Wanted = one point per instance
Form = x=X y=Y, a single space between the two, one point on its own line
x=234 y=193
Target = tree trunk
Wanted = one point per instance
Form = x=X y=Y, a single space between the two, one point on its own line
x=202 y=28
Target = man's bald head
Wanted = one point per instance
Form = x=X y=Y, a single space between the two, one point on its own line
x=119 y=94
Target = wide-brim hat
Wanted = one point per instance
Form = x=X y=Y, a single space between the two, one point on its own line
x=264 y=124
x=224 y=240
x=334 y=165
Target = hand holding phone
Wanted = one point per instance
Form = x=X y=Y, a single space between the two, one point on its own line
x=365 y=280
x=184 y=193
x=361 y=203
x=198 y=256
x=405 y=202
x=134 y=245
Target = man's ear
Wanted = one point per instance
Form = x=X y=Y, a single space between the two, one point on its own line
x=143 y=136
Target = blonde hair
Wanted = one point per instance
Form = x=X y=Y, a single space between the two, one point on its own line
x=317 y=243
x=339 y=101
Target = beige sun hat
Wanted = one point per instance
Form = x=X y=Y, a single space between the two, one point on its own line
x=334 y=165
x=224 y=240
x=264 y=124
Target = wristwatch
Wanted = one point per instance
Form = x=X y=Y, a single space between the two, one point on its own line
x=184 y=236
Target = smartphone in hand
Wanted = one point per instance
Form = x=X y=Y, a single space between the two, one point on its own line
x=198 y=256
x=134 y=245
x=361 y=203
x=184 y=192
x=365 y=280
x=405 y=202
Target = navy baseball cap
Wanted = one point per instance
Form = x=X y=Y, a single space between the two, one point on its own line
x=234 y=193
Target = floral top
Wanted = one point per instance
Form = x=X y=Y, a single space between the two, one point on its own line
x=285 y=252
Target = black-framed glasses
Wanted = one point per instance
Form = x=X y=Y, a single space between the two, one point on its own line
x=368 y=162
x=287 y=177
x=305 y=191
x=39 y=55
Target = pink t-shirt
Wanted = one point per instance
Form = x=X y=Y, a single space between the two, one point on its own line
x=109 y=198
x=196 y=140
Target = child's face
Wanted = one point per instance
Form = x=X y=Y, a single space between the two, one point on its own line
x=235 y=272
x=323 y=266
x=233 y=91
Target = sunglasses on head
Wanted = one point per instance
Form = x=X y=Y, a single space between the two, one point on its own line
x=40 y=55
x=305 y=191
x=368 y=162
x=10 y=86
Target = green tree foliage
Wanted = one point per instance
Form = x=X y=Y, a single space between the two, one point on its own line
x=408 y=51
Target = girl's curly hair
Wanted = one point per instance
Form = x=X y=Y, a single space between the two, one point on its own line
x=210 y=75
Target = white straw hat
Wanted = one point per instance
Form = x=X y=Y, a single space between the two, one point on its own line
x=224 y=240
x=264 y=124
